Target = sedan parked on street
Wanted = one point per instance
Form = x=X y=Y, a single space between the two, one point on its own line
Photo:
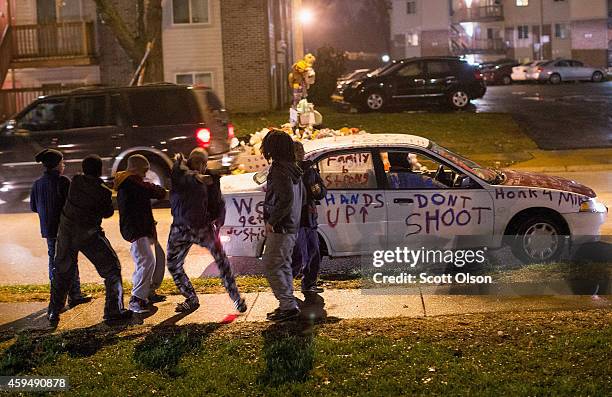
x=499 y=74
x=524 y=72
x=561 y=70
x=389 y=190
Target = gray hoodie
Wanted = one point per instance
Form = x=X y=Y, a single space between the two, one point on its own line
x=285 y=194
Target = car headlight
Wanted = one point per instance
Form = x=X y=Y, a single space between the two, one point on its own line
x=592 y=205
x=356 y=84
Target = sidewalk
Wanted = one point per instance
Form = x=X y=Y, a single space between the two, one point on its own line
x=340 y=304
x=552 y=160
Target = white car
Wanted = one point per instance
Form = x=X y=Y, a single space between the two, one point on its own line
x=526 y=71
x=388 y=190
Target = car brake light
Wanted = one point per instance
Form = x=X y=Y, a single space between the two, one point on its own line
x=478 y=75
x=230 y=131
x=203 y=137
x=539 y=70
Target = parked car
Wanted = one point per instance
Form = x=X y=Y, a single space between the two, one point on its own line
x=499 y=74
x=561 y=70
x=453 y=200
x=355 y=74
x=154 y=120
x=447 y=79
x=523 y=72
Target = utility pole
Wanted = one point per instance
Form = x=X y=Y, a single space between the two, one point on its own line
x=541 y=51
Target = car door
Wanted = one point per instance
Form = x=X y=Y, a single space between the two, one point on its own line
x=352 y=216
x=409 y=82
x=91 y=130
x=432 y=204
x=578 y=71
x=564 y=69
x=441 y=77
x=37 y=127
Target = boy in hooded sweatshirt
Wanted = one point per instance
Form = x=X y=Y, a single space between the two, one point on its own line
x=285 y=194
x=138 y=227
x=47 y=198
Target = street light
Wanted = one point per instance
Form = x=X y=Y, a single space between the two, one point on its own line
x=306 y=16
x=386 y=58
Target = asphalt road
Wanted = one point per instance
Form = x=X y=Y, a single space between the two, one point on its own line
x=567 y=116
x=23 y=255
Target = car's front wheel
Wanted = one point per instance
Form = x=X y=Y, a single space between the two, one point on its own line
x=538 y=239
x=555 y=78
x=597 y=77
x=14 y=196
x=375 y=101
x=459 y=99
x=506 y=80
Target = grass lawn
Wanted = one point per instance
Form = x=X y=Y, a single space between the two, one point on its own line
x=464 y=132
x=530 y=353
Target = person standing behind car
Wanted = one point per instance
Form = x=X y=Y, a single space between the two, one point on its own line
x=89 y=200
x=138 y=227
x=306 y=258
x=282 y=210
x=194 y=221
x=47 y=198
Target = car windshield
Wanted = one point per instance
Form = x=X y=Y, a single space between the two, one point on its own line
x=383 y=69
x=484 y=173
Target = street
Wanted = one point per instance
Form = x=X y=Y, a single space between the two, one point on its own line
x=565 y=116
x=24 y=256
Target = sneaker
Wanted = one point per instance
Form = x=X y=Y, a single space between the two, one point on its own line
x=120 y=317
x=240 y=305
x=285 y=315
x=155 y=298
x=72 y=302
x=138 y=305
x=313 y=289
x=274 y=313
x=53 y=318
x=187 y=306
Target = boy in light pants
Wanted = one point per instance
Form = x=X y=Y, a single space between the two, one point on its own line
x=138 y=227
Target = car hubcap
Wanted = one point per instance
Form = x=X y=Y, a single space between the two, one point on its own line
x=541 y=241
x=460 y=99
x=555 y=79
x=375 y=101
x=597 y=76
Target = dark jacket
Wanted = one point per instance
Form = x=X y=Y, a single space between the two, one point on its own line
x=89 y=200
x=47 y=198
x=285 y=194
x=193 y=203
x=134 y=201
x=315 y=191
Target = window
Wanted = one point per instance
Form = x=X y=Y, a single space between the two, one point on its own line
x=44 y=116
x=413 y=69
x=348 y=171
x=561 y=30
x=89 y=112
x=411 y=7
x=439 y=68
x=163 y=107
x=412 y=39
x=523 y=32
x=522 y=3
x=562 y=64
x=196 y=78
x=577 y=64
x=190 y=11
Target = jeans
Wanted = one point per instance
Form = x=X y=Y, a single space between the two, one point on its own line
x=75 y=287
x=277 y=265
x=306 y=258
x=150 y=261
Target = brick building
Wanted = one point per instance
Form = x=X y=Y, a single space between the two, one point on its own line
x=485 y=30
x=243 y=49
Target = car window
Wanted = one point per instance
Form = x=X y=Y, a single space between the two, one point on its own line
x=562 y=64
x=348 y=171
x=413 y=69
x=163 y=107
x=439 y=68
x=577 y=64
x=89 y=111
x=44 y=116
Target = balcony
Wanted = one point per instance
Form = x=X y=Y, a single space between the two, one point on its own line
x=491 y=13
x=466 y=46
x=53 y=45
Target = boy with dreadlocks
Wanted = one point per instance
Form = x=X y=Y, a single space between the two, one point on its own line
x=282 y=211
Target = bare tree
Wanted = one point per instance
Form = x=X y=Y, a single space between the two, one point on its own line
x=133 y=36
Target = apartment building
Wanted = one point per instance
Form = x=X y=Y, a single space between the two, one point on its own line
x=484 y=30
x=242 y=49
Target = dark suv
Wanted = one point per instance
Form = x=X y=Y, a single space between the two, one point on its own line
x=155 y=120
x=447 y=79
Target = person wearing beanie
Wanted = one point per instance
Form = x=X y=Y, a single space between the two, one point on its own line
x=47 y=198
x=138 y=227
x=89 y=200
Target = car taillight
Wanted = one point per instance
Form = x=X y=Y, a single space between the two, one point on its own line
x=230 y=131
x=539 y=70
x=203 y=137
x=478 y=75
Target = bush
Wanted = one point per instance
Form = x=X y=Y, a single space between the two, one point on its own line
x=328 y=67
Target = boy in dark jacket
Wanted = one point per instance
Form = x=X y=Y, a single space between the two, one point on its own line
x=198 y=210
x=89 y=200
x=306 y=257
x=47 y=198
x=282 y=212
x=138 y=227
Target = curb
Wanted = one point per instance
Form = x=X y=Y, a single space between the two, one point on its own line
x=564 y=168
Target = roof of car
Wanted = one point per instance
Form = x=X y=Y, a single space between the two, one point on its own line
x=364 y=140
x=103 y=89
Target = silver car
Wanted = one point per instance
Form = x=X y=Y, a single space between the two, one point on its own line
x=567 y=70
